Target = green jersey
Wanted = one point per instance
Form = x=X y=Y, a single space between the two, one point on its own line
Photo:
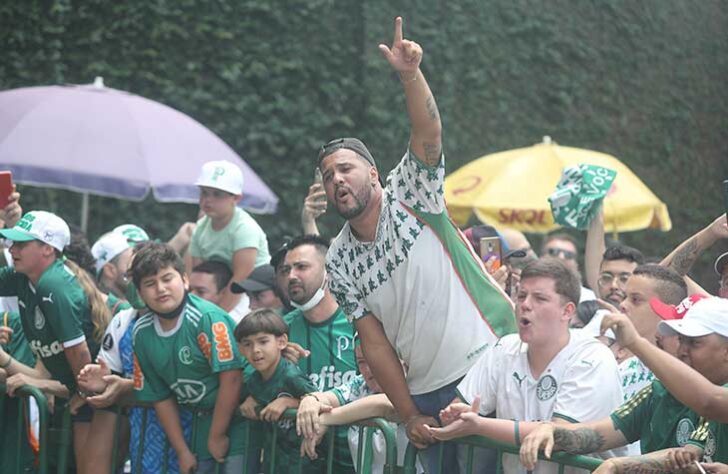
x=331 y=342
x=713 y=438
x=55 y=315
x=11 y=407
x=286 y=381
x=185 y=362
x=655 y=418
x=332 y=363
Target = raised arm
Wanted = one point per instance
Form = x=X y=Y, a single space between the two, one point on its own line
x=682 y=258
x=595 y=248
x=405 y=57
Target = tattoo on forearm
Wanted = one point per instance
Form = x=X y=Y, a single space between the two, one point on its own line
x=579 y=441
x=685 y=257
x=642 y=464
x=432 y=108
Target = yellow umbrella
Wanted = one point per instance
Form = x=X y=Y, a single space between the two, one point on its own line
x=510 y=189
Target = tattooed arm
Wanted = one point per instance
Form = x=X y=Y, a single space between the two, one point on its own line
x=405 y=57
x=657 y=462
x=682 y=258
x=578 y=438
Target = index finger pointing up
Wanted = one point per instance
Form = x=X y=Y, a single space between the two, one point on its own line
x=397 y=30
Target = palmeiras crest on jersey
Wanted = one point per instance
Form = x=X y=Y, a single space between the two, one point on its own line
x=683 y=431
x=546 y=387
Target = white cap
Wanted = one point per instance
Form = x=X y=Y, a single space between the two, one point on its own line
x=40 y=225
x=107 y=247
x=707 y=316
x=133 y=233
x=221 y=175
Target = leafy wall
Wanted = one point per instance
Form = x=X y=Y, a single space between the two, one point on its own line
x=645 y=81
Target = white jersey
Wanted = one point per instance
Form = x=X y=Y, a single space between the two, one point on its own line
x=109 y=351
x=634 y=376
x=580 y=384
x=421 y=280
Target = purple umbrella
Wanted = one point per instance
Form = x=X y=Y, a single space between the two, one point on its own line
x=98 y=140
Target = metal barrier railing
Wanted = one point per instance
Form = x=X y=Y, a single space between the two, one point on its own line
x=25 y=393
x=472 y=442
x=63 y=437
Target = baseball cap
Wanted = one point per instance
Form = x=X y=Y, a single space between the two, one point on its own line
x=720 y=263
x=221 y=175
x=40 y=225
x=353 y=144
x=707 y=316
x=668 y=312
x=133 y=233
x=107 y=247
x=261 y=279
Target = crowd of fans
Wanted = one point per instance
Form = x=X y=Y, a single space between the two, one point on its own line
x=206 y=340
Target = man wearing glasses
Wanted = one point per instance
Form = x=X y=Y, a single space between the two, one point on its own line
x=618 y=263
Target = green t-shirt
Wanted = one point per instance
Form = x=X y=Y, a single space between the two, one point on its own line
x=55 y=314
x=242 y=232
x=10 y=407
x=185 y=361
x=655 y=418
x=332 y=363
x=286 y=381
x=713 y=438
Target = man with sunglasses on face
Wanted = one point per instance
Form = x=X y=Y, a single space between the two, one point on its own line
x=562 y=245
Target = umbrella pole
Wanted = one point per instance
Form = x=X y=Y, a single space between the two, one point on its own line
x=84 y=212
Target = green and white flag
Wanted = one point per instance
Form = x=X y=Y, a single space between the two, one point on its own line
x=579 y=193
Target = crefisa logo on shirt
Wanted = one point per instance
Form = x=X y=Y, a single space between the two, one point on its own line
x=546 y=387
x=683 y=431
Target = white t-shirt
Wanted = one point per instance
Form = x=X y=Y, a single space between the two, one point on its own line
x=421 y=280
x=580 y=384
x=109 y=351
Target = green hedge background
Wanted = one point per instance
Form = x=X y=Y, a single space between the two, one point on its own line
x=644 y=81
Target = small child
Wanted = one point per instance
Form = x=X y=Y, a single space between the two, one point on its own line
x=276 y=385
x=184 y=357
x=226 y=232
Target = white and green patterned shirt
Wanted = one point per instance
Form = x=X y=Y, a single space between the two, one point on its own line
x=421 y=280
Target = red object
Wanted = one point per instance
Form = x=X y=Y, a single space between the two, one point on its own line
x=669 y=312
x=6 y=188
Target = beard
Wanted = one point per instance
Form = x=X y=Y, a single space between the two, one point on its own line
x=361 y=199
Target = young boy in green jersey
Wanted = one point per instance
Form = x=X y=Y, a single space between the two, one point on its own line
x=276 y=385
x=184 y=356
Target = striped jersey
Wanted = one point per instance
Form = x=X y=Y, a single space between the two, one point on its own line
x=421 y=280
